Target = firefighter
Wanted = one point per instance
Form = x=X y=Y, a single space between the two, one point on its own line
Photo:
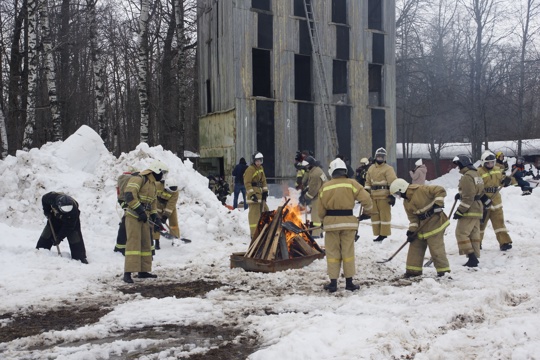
x=418 y=174
x=316 y=178
x=494 y=178
x=257 y=191
x=469 y=212
x=337 y=198
x=167 y=197
x=300 y=170
x=378 y=179
x=427 y=222
x=518 y=172
x=501 y=162
x=361 y=171
x=140 y=196
x=63 y=215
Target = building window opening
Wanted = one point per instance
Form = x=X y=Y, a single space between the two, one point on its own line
x=208 y=97
x=343 y=130
x=378 y=48
x=266 y=143
x=342 y=42
x=378 y=129
x=265 y=31
x=375 y=85
x=339 y=77
x=339 y=11
x=306 y=126
x=375 y=14
x=261 y=4
x=261 y=73
x=302 y=77
x=298 y=8
x=304 y=38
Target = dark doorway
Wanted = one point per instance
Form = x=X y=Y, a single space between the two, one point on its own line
x=265 y=135
x=302 y=77
x=261 y=73
x=306 y=127
x=378 y=129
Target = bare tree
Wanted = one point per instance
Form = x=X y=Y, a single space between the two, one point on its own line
x=32 y=53
x=143 y=68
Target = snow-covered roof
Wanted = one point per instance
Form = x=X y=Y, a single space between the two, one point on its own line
x=509 y=148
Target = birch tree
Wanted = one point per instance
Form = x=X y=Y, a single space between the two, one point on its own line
x=32 y=54
x=181 y=73
x=3 y=135
x=143 y=68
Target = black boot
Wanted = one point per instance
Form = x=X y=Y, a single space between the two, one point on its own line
x=157 y=245
x=472 y=262
x=379 y=238
x=127 y=278
x=505 y=247
x=331 y=286
x=84 y=261
x=441 y=273
x=146 y=275
x=349 y=285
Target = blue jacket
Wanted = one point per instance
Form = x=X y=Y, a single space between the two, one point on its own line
x=238 y=173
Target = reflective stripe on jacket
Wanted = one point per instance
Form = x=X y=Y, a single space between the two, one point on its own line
x=380 y=175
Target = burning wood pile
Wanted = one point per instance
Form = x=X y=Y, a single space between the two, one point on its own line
x=280 y=242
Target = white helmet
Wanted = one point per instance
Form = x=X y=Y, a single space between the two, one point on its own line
x=418 y=162
x=336 y=164
x=364 y=161
x=158 y=167
x=398 y=187
x=305 y=163
x=488 y=156
x=380 y=151
x=258 y=156
x=171 y=185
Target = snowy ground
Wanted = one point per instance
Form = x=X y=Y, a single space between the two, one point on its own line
x=488 y=313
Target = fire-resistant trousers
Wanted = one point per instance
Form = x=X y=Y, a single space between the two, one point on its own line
x=254 y=215
x=417 y=251
x=138 y=246
x=468 y=236
x=339 y=246
x=381 y=217
x=497 y=221
x=315 y=219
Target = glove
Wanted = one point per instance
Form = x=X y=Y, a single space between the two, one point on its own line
x=506 y=181
x=457 y=215
x=164 y=218
x=364 y=217
x=302 y=198
x=486 y=201
x=391 y=200
x=46 y=213
x=254 y=198
x=264 y=195
x=141 y=213
x=437 y=209
x=457 y=197
x=410 y=236
x=158 y=225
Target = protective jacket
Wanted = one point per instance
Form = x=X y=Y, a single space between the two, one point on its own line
x=378 y=180
x=336 y=202
x=255 y=182
x=471 y=188
x=316 y=178
x=492 y=179
x=418 y=206
x=166 y=206
x=418 y=176
x=141 y=190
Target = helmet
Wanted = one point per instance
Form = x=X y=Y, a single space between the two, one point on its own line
x=305 y=163
x=258 y=156
x=64 y=203
x=171 y=185
x=487 y=157
x=311 y=161
x=499 y=154
x=380 y=151
x=418 y=162
x=364 y=161
x=158 y=167
x=380 y=155
x=462 y=161
x=336 y=164
x=520 y=160
x=398 y=187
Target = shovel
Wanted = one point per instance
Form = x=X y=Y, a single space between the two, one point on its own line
x=403 y=245
x=166 y=234
x=54 y=237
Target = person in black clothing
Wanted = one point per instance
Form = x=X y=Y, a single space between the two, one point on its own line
x=350 y=171
x=518 y=172
x=239 y=186
x=62 y=212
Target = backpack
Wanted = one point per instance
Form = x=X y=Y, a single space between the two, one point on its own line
x=121 y=184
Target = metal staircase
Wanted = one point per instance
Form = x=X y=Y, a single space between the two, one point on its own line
x=330 y=124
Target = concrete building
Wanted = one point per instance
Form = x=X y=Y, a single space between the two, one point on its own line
x=260 y=88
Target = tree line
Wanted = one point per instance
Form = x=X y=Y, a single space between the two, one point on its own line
x=125 y=68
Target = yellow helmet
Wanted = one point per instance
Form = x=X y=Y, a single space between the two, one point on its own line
x=498 y=154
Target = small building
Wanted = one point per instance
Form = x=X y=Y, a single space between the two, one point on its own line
x=261 y=87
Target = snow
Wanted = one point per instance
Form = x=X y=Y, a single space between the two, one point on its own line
x=488 y=313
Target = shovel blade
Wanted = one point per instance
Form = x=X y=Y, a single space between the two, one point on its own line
x=383 y=261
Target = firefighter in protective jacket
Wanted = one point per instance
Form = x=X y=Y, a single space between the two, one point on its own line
x=316 y=178
x=378 y=179
x=140 y=196
x=167 y=197
x=63 y=215
x=337 y=198
x=470 y=210
x=494 y=178
x=257 y=191
x=427 y=222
